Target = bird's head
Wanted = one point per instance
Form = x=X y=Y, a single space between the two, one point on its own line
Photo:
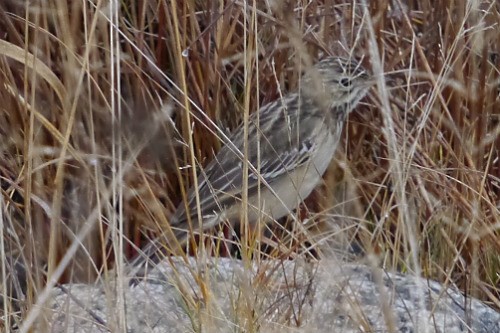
x=337 y=82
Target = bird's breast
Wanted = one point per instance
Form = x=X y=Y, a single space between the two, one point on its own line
x=327 y=143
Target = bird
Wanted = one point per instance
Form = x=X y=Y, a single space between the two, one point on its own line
x=290 y=143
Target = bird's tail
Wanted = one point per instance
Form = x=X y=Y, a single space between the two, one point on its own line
x=171 y=242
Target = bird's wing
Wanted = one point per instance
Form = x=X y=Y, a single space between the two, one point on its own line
x=279 y=145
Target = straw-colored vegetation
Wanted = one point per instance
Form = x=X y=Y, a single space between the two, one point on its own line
x=103 y=110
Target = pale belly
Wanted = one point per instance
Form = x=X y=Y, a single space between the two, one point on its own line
x=289 y=191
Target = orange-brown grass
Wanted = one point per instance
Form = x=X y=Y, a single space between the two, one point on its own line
x=102 y=118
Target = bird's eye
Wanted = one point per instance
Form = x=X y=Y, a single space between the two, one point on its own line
x=345 y=82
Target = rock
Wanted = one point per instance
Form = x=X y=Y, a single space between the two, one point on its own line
x=224 y=295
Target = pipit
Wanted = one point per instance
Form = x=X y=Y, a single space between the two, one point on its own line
x=290 y=144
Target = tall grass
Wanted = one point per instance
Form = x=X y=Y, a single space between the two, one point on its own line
x=107 y=113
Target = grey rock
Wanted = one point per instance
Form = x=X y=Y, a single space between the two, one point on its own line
x=225 y=295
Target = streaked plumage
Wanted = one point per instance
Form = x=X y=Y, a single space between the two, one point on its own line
x=291 y=142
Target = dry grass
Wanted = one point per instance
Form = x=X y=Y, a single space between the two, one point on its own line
x=98 y=111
